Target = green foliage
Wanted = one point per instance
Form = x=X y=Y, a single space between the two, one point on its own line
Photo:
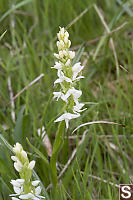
x=105 y=156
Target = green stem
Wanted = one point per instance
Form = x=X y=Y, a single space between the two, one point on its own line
x=56 y=149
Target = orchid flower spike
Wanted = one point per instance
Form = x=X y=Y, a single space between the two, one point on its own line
x=68 y=74
x=24 y=188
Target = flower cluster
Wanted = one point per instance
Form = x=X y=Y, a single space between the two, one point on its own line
x=24 y=187
x=68 y=75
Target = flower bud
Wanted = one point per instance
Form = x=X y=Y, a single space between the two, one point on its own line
x=71 y=54
x=31 y=164
x=35 y=183
x=18 y=166
x=17 y=148
x=24 y=154
x=56 y=55
x=68 y=62
x=14 y=158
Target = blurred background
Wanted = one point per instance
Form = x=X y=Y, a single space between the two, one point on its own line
x=105 y=29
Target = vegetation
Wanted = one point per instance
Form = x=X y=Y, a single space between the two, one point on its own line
x=96 y=158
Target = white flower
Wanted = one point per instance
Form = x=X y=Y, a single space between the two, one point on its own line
x=68 y=62
x=62 y=78
x=41 y=131
x=27 y=196
x=14 y=198
x=77 y=68
x=61 y=54
x=14 y=158
x=24 y=154
x=38 y=190
x=60 y=44
x=71 y=54
x=31 y=196
x=31 y=164
x=77 y=107
x=17 y=148
x=69 y=43
x=67 y=117
x=18 y=190
x=62 y=31
x=66 y=34
x=67 y=74
x=35 y=183
x=66 y=39
x=18 y=166
x=56 y=55
x=57 y=66
x=17 y=182
x=57 y=95
x=76 y=94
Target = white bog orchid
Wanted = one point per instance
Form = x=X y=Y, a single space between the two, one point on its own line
x=62 y=78
x=24 y=167
x=77 y=68
x=68 y=75
x=67 y=117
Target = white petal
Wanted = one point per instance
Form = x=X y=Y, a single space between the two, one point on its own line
x=14 y=198
x=66 y=39
x=65 y=53
x=77 y=68
x=77 y=107
x=57 y=95
x=66 y=34
x=61 y=54
x=71 y=54
x=58 y=81
x=31 y=164
x=57 y=66
x=41 y=197
x=56 y=55
x=14 y=158
x=68 y=62
x=76 y=94
x=76 y=79
x=18 y=166
x=69 y=43
x=67 y=117
x=17 y=190
x=62 y=78
x=17 y=182
x=26 y=196
x=17 y=148
x=35 y=183
x=67 y=79
x=24 y=154
x=62 y=31
x=38 y=190
x=20 y=181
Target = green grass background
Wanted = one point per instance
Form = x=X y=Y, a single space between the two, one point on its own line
x=26 y=51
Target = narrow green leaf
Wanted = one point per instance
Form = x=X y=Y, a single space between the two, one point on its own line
x=2 y=35
x=18 y=136
x=42 y=186
x=126 y=7
x=56 y=148
x=6 y=143
x=3 y=167
x=26 y=128
x=78 y=54
x=38 y=153
x=4 y=185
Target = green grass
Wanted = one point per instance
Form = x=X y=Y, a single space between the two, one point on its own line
x=26 y=51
